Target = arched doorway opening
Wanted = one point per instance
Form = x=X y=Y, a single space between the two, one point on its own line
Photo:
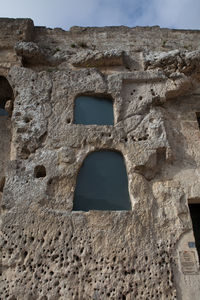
x=6 y=97
x=195 y=217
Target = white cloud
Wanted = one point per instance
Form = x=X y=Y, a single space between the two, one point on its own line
x=66 y=13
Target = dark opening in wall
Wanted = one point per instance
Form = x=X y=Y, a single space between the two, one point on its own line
x=195 y=216
x=6 y=97
x=93 y=110
x=2 y=183
x=102 y=183
x=6 y=105
x=39 y=171
x=198 y=118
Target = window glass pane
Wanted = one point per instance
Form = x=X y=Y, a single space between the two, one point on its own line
x=3 y=112
x=93 y=110
x=102 y=183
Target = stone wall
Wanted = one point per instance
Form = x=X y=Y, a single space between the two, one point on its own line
x=48 y=250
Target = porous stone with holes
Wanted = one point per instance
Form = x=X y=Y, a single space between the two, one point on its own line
x=147 y=251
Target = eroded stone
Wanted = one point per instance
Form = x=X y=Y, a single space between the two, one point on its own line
x=50 y=251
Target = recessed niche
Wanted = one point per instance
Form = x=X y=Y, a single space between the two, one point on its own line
x=102 y=183
x=90 y=110
x=39 y=171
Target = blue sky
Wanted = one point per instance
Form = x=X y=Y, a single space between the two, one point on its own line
x=66 y=13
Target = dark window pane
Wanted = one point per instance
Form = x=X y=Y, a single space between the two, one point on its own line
x=3 y=112
x=93 y=110
x=195 y=216
x=102 y=183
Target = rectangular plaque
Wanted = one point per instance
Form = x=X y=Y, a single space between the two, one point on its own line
x=188 y=262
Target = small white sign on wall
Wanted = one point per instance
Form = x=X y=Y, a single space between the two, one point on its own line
x=188 y=262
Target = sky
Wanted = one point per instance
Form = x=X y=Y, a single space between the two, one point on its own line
x=181 y=14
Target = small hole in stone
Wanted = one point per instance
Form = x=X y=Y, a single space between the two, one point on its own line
x=25 y=152
x=50 y=181
x=25 y=254
x=40 y=171
x=27 y=120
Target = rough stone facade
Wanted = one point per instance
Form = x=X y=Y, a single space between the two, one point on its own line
x=50 y=252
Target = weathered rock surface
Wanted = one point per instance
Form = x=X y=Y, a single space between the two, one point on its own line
x=174 y=61
x=48 y=250
x=97 y=59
